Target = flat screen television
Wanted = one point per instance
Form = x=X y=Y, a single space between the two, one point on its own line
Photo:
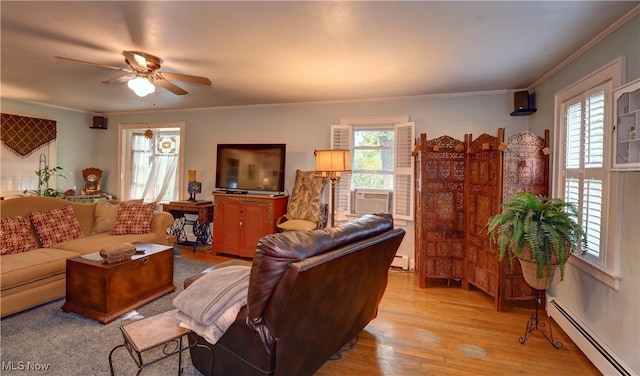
x=250 y=167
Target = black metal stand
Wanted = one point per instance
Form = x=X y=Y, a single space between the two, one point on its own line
x=202 y=231
x=536 y=322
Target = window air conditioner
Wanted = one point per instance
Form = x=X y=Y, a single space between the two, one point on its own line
x=372 y=201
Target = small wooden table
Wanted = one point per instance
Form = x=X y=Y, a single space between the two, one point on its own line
x=104 y=291
x=201 y=226
x=147 y=334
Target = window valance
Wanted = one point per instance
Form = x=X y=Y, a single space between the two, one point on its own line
x=24 y=135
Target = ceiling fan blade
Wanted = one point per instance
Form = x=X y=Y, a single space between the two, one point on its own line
x=170 y=86
x=92 y=64
x=137 y=61
x=186 y=78
x=119 y=80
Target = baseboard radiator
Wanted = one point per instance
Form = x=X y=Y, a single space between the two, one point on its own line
x=598 y=353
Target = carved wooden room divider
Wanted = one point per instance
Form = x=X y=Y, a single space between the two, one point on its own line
x=483 y=188
x=526 y=169
x=449 y=213
x=439 y=229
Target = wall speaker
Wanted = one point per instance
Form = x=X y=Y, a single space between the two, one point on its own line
x=99 y=122
x=523 y=103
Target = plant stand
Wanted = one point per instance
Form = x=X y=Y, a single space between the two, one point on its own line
x=536 y=322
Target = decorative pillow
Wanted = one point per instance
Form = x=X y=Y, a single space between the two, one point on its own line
x=56 y=225
x=105 y=217
x=15 y=235
x=298 y=225
x=133 y=218
x=306 y=198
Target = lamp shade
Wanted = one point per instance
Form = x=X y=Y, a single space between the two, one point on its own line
x=333 y=160
x=141 y=86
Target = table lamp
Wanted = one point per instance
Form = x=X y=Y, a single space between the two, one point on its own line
x=331 y=163
x=194 y=186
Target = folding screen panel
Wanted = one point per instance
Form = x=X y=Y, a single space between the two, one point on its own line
x=526 y=169
x=483 y=188
x=439 y=208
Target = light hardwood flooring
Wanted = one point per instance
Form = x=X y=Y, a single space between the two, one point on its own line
x=444 y=330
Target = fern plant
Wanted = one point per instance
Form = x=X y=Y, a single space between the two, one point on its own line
x=548 y=226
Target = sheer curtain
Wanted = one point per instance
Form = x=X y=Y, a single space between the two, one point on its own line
x=154 y=166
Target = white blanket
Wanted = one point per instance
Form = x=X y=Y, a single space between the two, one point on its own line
x=211 y=303
x=212 y=333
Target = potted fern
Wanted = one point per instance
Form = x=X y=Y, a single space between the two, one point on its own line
x=44 y=175
x=541 y=232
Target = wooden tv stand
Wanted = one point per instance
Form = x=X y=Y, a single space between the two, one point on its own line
x=240 y=220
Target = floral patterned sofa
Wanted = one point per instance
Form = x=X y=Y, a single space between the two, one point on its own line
x=39 y=234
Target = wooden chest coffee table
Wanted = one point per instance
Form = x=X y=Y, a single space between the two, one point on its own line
x=104 y=291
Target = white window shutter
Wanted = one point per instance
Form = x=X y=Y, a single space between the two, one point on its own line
x=341 y=139
x=574 y=136
x=594 y=131
x=592 y=215
x=584 y=163
x=403 y=198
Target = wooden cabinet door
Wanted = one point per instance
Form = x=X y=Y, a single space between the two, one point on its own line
x=241 y=220
x=255 y=224
x=227 y=226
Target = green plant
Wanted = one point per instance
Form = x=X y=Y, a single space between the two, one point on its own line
x=548 y=226
x=44 y=175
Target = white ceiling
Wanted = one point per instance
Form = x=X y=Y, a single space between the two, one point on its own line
x=285 y=52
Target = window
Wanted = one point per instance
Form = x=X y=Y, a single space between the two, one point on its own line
x=585 y=171
x=151 y=162
x=583 y=123
x=372 y=166
x=18 y=173
x=381 y=160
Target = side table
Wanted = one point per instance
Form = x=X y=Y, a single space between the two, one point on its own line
x=152 y=332
x=201 y=226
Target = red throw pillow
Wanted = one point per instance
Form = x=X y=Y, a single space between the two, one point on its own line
x=56 y=225
x=133 y=219
x=15 y=235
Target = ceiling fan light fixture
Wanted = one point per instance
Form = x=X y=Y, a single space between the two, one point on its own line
x=141 y=86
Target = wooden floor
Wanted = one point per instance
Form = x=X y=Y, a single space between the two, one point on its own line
x=444 y=330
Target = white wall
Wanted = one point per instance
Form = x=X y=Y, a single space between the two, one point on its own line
x=613 y=315
x=305 y=127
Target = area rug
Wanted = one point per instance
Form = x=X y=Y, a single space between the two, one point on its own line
x=45 y=340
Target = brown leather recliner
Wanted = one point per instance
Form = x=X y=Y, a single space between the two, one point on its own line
x=310 y=293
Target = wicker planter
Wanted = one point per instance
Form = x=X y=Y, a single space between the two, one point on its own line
x=530 y=271
x=548 y=225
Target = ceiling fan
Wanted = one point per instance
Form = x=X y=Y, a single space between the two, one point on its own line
x=143 y=73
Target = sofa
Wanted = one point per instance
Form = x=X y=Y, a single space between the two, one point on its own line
x=309 y=294
x=33 y=269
